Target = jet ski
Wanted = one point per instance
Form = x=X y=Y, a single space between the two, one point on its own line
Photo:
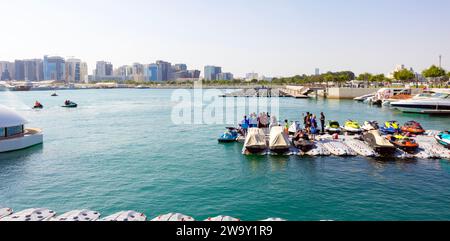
x=255 y=142
x=403 y=142
x=444 y=139
x=378 y=143
x=390 y=127
x=229 y=136
x=70 y=104
x=333 y=127
x=302 y=142
x=279 y=140
x=370 y=125
x=413 y=127
x=54 y=94
x=295 y=126
x=352 y=127
x=38 y=106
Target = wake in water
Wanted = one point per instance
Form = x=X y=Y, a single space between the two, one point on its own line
x=11 y=100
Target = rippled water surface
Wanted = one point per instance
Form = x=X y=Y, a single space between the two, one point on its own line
x=120 y=150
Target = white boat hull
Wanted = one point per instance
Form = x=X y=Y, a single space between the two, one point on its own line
x=19 y=143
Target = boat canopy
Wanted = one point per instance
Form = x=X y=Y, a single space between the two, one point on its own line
x=10 y=118
x=255 y=137
x=278 y=137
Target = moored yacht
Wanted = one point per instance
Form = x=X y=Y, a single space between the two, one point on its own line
x=438 y=103
x=13 y=135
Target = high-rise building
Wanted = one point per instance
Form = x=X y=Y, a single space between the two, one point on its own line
x=73 y=70
x=19 y=70
x=164 y=69
x=54 y=68
x=180 y=67
x=151 y=72
x=103 y=69
x=84 y=72
x=194 y=74
x=7 y=70
x=211 y=72
x=317 y=72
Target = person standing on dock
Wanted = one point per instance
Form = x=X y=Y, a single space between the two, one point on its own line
x=322 y=121
x=245 y=125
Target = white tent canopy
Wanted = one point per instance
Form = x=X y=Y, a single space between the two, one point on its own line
x=10 y=118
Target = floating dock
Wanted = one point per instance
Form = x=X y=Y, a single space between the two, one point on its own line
x=353 y=146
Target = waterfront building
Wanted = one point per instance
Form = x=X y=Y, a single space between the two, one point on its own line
x=84 y=72
x=103 y=71
x=151 y=72
x=7 y=70
x=180 y=67
x=194 y=74
x=54 y=68
x=224 y=76
x=19 y=74
x=211 y=72
x=164 y=69
x=73 y=70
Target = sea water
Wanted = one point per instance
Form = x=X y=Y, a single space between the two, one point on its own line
x=120 y=150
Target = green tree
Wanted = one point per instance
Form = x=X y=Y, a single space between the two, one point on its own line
x=404 y=75
x=365 y=77
x=433 y=72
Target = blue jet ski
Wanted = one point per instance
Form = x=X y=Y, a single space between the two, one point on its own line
x=444 y=139
x=390 y=127
x=230 y=135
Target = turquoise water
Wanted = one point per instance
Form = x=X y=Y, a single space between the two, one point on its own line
x=119 y=150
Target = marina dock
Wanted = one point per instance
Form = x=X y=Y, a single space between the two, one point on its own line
x=347 y=146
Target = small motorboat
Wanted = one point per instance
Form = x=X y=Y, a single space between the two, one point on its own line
x=413 y=127
x=352 y=127
x=444 y=139
x=370 y=125
x=378 y=143
x=255 y=142
x=333 y=127
x=390 y=127
x=403 y=142
x=54 y=94
x=70 y=104
x=302 y=142
x=279 y=141
x=230 y=135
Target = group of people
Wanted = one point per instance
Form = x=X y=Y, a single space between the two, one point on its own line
x=264 y=120
x=311 y=123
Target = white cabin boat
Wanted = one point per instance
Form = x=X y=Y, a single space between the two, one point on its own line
x=13 y=134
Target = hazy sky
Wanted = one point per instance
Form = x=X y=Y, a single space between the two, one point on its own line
x=272 y=37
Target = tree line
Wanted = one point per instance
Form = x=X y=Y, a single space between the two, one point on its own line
x=434 y=74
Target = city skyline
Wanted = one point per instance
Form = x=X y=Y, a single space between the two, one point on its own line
x=270 y=37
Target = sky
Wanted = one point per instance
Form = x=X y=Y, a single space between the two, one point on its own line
x=270 y=37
